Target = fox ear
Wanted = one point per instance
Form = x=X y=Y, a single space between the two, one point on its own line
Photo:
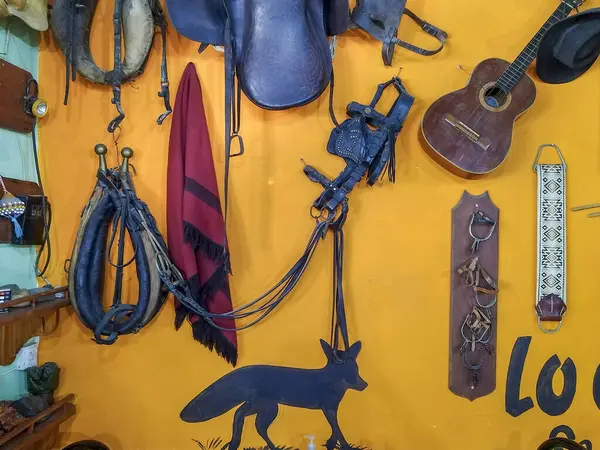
x=327 y=349
x=354 y=350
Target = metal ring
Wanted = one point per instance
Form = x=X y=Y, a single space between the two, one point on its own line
x=546 y=330
x=312 y=209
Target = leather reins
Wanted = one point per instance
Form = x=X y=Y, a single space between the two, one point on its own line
x=369 y=156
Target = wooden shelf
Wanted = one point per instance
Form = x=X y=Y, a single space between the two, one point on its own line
x=38 y=306
x=33 y=430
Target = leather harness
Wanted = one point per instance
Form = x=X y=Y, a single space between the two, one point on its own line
x=366 y=141
x=137 y=19
x=115 y=208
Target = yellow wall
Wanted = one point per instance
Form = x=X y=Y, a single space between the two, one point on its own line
x=398 y=247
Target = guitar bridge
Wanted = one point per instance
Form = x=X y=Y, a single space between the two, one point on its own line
x=467 y=131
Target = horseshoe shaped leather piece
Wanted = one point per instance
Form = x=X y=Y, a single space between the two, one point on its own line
x=138 y=31
x=115 y=210
x=71 y=22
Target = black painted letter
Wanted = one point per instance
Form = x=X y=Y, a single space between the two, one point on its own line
x=548 y=401
x=596 y=387
x=515 y=405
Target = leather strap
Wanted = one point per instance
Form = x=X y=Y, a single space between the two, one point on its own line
x=71 y=70
x=232 y=116
x=428 y=28
x=116 y=75
x=551 y=292
x=161 y=22
x=473 y=274
x=389 y=37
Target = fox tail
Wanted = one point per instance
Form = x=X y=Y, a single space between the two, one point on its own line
x=210 y=403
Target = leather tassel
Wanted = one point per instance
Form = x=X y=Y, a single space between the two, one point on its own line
x=391 y=165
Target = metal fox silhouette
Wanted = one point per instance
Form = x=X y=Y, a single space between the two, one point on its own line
x=261 y=389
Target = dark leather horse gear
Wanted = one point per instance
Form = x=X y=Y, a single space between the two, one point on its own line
x=381 y=19
x=366 y=141
x=569 y=48
x=278 y=51
x=87 y=445
x=115 y=207
x=71 y=22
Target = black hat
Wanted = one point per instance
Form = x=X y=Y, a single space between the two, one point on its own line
x=87 y=445
x=569 y=48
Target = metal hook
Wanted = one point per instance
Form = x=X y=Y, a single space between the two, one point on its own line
x=126 y=153
x=539 y=153
x=101 y=150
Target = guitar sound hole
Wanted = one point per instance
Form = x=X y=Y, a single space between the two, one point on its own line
x=495 y=97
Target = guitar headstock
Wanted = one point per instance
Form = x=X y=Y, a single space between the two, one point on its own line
x=573 y=4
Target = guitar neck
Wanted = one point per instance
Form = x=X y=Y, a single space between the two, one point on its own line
x=516 y=70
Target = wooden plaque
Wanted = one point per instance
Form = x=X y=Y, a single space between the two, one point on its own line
x=16 y=188
x=462 y=297
x=13 y=87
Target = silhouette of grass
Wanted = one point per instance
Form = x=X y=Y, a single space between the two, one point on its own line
x=350 y=447
x=213 y=444
x=217 y=444
x=267 y=448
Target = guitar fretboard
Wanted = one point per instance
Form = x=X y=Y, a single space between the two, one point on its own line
x=516 y=70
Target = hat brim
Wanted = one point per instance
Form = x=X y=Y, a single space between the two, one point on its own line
x=548 y=68
x=34 y=14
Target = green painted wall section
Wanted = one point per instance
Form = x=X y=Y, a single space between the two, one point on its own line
x=19 y=46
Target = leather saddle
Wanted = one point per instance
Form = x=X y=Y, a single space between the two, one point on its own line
x=279 y=49
x=381 y=19
x=136 y=20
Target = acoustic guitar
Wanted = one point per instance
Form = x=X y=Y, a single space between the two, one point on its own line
x=469 y=131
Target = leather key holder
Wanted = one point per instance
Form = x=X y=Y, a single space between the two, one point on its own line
x=551 y=293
